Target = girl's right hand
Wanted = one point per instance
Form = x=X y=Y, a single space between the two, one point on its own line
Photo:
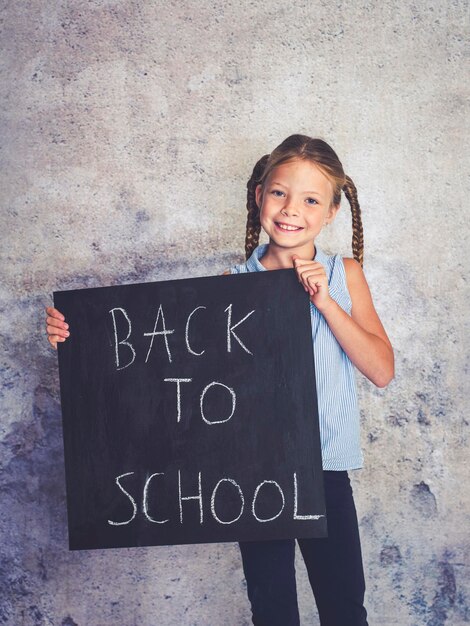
x=57 y=328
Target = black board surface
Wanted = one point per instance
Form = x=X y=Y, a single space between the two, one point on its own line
x=190 y=412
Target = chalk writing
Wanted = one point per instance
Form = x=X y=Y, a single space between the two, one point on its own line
x=231 y=328
x=122 y=342
x=186 y=334
x=145 y=500
x=178 y=382
x=126 y=493
x=163 y=332
x=242 y=500
x=257 y=496
x=198 y=497
x=234 y=401
x=267 y=482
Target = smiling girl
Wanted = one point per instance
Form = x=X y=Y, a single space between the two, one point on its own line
x=292 y=194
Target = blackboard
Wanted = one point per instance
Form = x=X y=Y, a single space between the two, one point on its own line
x=190 y=413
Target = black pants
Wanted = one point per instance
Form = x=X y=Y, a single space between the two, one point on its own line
x=334 y=567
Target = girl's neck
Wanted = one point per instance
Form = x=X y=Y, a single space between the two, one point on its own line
x=278 y=258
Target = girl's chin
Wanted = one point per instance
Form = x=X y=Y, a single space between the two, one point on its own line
x=303 y=247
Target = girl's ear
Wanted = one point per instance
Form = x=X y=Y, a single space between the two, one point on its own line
x=332 y=211
x=258 y=194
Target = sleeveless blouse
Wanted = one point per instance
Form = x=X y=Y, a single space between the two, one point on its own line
x=338 y=410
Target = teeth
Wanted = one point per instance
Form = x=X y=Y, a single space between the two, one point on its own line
x=287 y=227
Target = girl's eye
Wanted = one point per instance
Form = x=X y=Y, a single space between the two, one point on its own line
x=311 y=201
x=275 y=192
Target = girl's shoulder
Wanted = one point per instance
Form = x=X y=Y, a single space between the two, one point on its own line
x=341 y=266
x=358 y=289
x=351 y=265
x=335 y=265
x=354 y=273
x=252 y=264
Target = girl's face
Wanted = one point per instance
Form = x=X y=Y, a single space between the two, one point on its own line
x=295 y=204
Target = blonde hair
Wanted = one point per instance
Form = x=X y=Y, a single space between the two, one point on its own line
x=325 y=158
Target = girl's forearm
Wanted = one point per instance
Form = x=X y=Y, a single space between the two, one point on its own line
x=372 y=356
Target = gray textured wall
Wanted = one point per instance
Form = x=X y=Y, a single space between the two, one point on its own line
x=128 y=132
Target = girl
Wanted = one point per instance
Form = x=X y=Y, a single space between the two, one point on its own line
x=292 y=194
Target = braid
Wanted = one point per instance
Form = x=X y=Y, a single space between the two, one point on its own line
x=350 y=192
x=253 y=225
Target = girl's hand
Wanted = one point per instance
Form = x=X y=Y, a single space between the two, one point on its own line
x=312 y=277
x=57 y=329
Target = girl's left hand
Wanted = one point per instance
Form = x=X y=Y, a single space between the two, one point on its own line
x=312 y=277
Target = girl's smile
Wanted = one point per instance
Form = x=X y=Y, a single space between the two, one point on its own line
x=289 y=228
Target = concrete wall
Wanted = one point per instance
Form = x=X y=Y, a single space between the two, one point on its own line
x=129 y=131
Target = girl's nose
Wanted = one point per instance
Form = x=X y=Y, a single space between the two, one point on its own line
x=289 y=210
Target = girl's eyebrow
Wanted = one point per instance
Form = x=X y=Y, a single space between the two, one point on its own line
x=274 y=182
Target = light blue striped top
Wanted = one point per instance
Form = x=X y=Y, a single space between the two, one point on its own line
x=338 y=410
